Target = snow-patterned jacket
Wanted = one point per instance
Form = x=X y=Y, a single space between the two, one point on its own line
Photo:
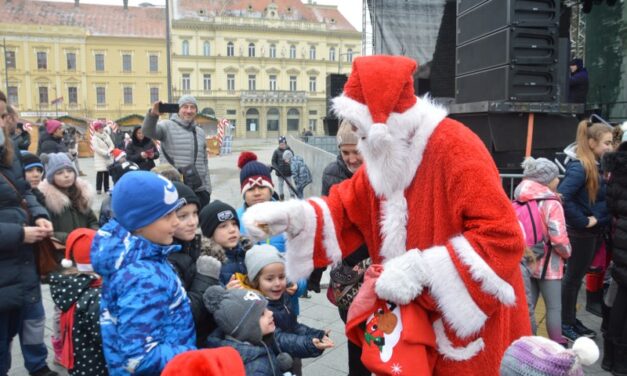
x=300 y=172
x=78 y=289
x=553 y=228
x=145 y=317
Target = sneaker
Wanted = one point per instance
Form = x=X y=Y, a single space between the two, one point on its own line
x=45 y=371
x=583 y=330
x=570 y=333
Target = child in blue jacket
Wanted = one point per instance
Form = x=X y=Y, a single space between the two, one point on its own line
x=145 y=315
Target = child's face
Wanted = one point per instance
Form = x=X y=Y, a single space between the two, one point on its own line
x=266 y=322
x=188 y=222
x=226 y=234
x=272 y=281
x=160 y=231
x=64 y=178
x=257 y=194
x=33 y=176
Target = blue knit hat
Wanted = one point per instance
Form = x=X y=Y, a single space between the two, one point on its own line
x=30 y=160
x=55 y=162
x=140 y=198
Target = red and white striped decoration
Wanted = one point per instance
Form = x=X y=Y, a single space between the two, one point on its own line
x=222 y=124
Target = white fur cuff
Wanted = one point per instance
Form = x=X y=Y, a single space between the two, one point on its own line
x=403 y=278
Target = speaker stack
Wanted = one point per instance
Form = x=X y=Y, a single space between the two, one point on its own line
x=335 y=86
x=507 y=50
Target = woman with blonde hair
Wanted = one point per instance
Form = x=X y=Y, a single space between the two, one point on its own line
x=583 y=194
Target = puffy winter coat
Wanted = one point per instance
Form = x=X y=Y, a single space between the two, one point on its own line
x=278 y=162
x=553 y=228
x=334 y=173
x=616 y=165
x=575 y=199
x=195 y=284
x=135 y=149
x=49 y=144
x=145 y=317
x=22 y=140
x=83 y=292
x=177 y=140
x=233 y=263
x=19 y=282
x=102 y=145
x=285 y=318
x=300 y=172
x=65 y=216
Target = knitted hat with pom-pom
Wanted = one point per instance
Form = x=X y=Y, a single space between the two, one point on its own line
x=78 y=246
x=541 y=356
x=253 y=173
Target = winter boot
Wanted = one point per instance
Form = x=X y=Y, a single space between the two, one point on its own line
x=619 y=367
x=594 y=300
x=608 y=354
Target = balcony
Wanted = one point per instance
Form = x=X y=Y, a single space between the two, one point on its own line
x=273 y=97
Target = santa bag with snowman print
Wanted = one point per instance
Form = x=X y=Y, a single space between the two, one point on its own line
x=395 y=340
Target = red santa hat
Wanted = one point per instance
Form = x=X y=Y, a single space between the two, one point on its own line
x=118 y=154
x=78 y=244
x=221 y=361
x=378 y=86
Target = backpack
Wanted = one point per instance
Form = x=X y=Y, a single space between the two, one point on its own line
x=531 y=222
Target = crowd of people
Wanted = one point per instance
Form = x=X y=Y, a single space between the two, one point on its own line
x=428 y=272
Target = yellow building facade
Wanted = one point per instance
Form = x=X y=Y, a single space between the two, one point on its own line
x=263 y=67
x=100 y=68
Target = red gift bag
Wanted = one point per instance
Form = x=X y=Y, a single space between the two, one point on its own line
x=395 y=340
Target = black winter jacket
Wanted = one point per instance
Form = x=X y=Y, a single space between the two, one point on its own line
x=135 y=149
x=334 y=173
x=49 y=144
x=278 y=162
x=68 y=290
x=19 y=282
x=616 y=164
x=184 y=263
x=22 y=140
x=285 y=318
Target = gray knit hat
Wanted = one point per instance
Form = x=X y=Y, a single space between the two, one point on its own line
x=259 y=256
x=55 y=162
x=346 y=135
x=188 y=99
x=540 y=170
x=236 y=311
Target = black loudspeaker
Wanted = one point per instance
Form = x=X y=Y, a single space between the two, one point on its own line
x=494 y=15
x=335 y=86
x=331 y=125
x=526 y=46
x=523 y=83
x=563 y=71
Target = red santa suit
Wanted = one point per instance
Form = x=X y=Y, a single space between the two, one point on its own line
x=429 y=205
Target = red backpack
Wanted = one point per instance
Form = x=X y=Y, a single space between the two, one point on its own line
x=530 y=220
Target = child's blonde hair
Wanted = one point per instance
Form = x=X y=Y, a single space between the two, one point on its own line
x=586 y=131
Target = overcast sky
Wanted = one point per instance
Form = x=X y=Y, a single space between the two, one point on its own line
x=351 y=9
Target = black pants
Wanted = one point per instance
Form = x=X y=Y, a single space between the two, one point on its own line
x=102 y=177
x=204 y=197
x=617 y=330
x=355 y=365
x=584 y=246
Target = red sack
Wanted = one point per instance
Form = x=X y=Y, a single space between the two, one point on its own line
x=397 y=340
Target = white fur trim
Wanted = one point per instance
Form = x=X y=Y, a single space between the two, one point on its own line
x=84 y=267
x=458 y=308
x=300 y=248
x=403 y=278
x=445 y=347
x=332 y=247
x=391 y=167
x=393 y=224
x=66 y=263
x=481 y=272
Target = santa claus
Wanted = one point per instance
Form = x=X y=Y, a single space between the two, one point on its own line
x=429 y=205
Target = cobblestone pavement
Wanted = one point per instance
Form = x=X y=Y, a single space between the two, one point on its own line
x=316 y=311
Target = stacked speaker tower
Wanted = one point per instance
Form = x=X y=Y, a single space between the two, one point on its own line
x=508 y=50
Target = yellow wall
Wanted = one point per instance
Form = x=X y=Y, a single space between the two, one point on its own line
x=57 y=41
x=234 y=105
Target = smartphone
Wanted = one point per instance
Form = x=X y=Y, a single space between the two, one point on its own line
x=168 y=108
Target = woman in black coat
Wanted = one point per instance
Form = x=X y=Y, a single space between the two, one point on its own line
x=23 y=221
x=615 y=337
x=142 y=150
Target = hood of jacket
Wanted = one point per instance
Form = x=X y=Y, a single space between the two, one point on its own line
x=529 y=190
x=66 y=289
x=143 y=142
x=57 y=201
x=114 y=247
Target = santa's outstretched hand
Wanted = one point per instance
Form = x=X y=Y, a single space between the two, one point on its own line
x=272 y=218
x=403 y=278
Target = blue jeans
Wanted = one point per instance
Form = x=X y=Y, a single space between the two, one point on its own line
x=29 y=323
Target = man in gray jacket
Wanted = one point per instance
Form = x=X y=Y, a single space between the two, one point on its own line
x=177 y=139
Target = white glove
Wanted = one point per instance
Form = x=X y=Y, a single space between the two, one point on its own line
x=272 y=218
x=403 y=278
